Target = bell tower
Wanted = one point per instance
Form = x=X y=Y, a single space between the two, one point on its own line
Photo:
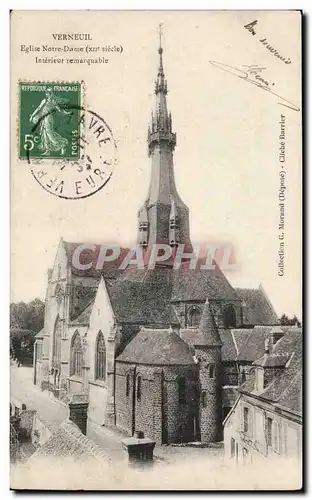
x=164 y=217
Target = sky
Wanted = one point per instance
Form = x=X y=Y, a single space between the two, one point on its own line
x=226 y=158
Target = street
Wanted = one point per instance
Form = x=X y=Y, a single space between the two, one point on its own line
x=53 y=411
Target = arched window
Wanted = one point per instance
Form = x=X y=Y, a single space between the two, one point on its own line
x=57 y=340
x=212 y=371
x=229 y=316
x=76 y=355
x=139 y=387
x=127 y=385
x=194 y=317
x=182 y=390
x=100 y=358
x=203 y=396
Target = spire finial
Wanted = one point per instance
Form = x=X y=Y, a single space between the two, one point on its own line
x=160 y=50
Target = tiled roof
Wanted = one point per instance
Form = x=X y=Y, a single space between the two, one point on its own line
x=142 y=296
x=157 y=347
x=233 y=340
x=81 y=296
x=40 y=334
x=229 y=395
x=240 y=337
x=84 y=317
x=205 y=334
x=85 y=257
x=197 y=284
x=286 y=388
x=228 y=351
x=268 y=361
x=67 y=440
x=257 y=309
x=207 y=327
x=111 y=268
x=253 y=348
x=291 y=398
x=192 y=336
x=247 y=344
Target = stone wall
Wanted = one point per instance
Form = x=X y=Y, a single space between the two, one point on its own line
x=158 y=413
x=218 y=307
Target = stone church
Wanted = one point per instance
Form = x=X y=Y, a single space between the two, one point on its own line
x=146 y=346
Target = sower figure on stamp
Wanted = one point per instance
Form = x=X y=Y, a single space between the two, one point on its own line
x=50 y=140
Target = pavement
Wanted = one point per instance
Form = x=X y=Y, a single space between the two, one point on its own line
x=53 y=411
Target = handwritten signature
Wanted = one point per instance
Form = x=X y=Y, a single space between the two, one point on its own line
x=252 y=74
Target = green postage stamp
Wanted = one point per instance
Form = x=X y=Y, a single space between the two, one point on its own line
x=49 y=117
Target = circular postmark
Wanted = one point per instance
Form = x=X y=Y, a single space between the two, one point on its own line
x=73 y=158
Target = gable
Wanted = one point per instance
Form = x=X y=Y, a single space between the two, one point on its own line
x=60 y=266
x=102 y=315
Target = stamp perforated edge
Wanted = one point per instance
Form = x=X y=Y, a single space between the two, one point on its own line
x=83 y=103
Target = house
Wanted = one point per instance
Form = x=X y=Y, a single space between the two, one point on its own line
x=266 y=419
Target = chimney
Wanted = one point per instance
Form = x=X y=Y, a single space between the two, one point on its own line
x=78 y=411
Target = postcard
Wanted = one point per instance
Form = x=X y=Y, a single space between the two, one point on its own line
x=156 y=215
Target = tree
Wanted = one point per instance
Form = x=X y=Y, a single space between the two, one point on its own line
x=286 y=321
x=26 y=319
x=21 y=345
x=27 y=316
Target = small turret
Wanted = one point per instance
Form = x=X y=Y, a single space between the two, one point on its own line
x=208 y=352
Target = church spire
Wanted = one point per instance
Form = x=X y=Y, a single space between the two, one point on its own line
x=161 y=83
x=163 y=218
x=161 y=125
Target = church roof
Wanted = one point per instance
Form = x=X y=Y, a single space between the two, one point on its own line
x=233 y=342
x=84 y=317
x=257 y=309
x=142 y=296
x=157 y=347
x=198 y=284
x=207 y=328
x=110 y=268
x=40 y=334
